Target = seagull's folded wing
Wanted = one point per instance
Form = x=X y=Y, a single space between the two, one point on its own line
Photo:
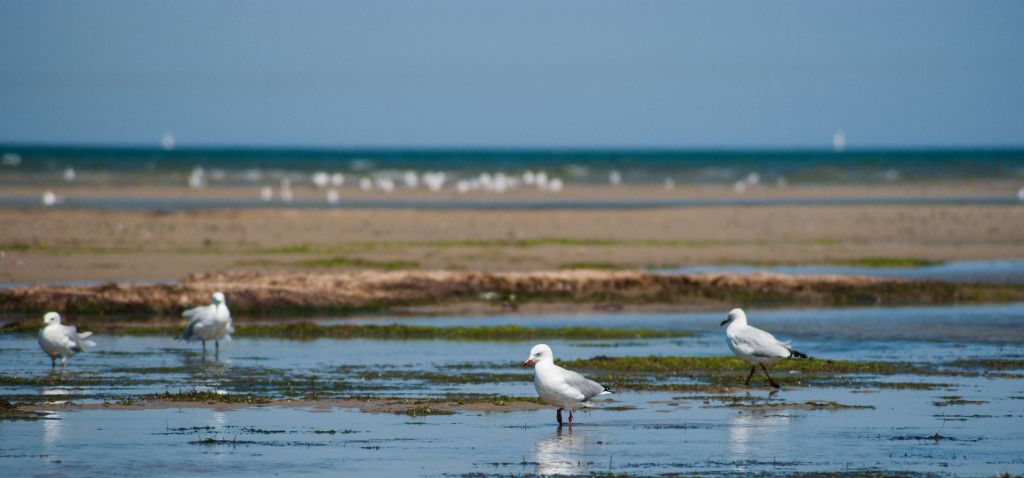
x=758 y=343
x=587 y=388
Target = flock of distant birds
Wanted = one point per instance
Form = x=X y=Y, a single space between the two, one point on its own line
x=565 y=389
x=434 y=181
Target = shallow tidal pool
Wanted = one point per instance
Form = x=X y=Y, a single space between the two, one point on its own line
x=952 y=419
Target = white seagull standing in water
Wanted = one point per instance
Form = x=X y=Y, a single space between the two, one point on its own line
x=209 y=322
x=755 y=346
x=61 y=340
x=557 y=386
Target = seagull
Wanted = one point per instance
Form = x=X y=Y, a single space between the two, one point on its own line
x=209 y=322
x=755 y=346
x=557 y=386
x=61 y=340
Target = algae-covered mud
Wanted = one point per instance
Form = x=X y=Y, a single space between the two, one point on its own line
x=280 y=293
x=890 y=390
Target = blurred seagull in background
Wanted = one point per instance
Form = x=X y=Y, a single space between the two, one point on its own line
x=62 y=341
x=557 y=386
x=49 y=198
x=208 y=322
x=755 y=346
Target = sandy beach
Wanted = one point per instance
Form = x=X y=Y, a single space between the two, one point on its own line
x=65 y=245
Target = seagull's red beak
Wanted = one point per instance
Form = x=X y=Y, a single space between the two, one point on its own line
x=528 y=362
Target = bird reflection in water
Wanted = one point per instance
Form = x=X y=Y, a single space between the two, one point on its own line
x=560 y=454
x=749 y=429
x=53 y=432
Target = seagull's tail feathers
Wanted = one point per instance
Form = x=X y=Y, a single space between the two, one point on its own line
x=795 y=354
x=588 y=404
x=88 y=343
x=84 y=335
x=187 y=334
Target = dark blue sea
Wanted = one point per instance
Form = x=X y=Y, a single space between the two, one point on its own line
x=466 y=170
x=23 y=165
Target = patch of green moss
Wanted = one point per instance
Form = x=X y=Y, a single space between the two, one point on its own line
x=362 y=263
x=207 y=396
x=593 y=265
x=656 y=363
x=333 y=432
x=421 y=411
x=296 y=249
x=892 y=262
x=9 y=411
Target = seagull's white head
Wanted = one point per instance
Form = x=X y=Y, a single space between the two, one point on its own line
x=51 y=318
x=539 y=353
x=218 y=298
x=735 y=315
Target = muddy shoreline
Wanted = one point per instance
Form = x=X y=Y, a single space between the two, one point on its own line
x=77 y=245
x=264 y=294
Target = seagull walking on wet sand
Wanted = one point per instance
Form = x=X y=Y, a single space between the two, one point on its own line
x=755 y=346
x=62 y=341
x=208 y=322
x=557 y=386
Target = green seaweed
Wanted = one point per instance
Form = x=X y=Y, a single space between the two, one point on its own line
x=363 y=263
x=10 y=411
x=888 y=262
x=421 y=411
x=206 y=396
x=594 y=265
x=295 y=249
x=656 y=363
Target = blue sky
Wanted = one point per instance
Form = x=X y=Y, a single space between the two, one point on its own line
x=476 y=73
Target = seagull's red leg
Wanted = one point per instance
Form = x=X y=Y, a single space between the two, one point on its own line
x=753 y=368
x=558 y=415
x=770 y=381
x=570 y=418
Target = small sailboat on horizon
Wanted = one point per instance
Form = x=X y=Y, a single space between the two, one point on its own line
x=838 y=141
x=167 y=141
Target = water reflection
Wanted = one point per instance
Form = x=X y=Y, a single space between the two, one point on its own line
x=53 y=429
x=205 y=375
x=56 y=391
x=218 y=420
x=750 y=428
x=560 y=454
x=199 y=362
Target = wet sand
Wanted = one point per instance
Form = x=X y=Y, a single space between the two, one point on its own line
x=94 y=245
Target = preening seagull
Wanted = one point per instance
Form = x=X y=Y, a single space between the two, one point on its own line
x=755 y=346
x=557 y=386
x=208 y=322
x=62 y=341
